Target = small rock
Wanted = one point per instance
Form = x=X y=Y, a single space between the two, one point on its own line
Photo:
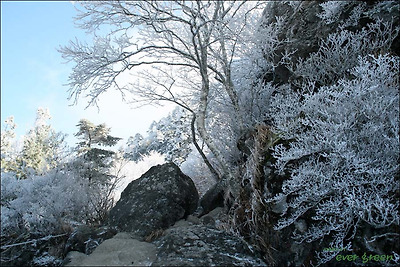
x=212 y=199
x=193 y=219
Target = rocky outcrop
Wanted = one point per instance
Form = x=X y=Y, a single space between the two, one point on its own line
x=191 y=242
x=301 y=27
x=199 y=245
x=159 y=198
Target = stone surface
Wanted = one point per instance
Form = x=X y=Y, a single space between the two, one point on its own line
x=198 y=245
x=121 y=250
x=211 y=219
x=193 y=219
x=162 y=196
x=85 y=239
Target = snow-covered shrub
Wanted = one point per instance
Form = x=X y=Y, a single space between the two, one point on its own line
x=41 y=204
x=343 y=155
x=339 y=52
x=331 y=10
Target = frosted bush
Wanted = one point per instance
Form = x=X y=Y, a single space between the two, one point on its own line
x=344 y=153
x=338 y=53
x=331 y=10
x=170 y=136
x=40 y=204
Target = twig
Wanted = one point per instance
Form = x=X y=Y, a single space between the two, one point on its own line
x=31 y=241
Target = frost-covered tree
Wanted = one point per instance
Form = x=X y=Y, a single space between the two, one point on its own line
x=7 y=136
x=191 y=47
x=43 y=148
x=8 y=146
x=91 y=152
x=170 y=137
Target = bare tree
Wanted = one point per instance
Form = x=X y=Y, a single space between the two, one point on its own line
x=190 y=46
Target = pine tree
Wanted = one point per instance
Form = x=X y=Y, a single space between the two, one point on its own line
x=94 y=163
x=94 y=157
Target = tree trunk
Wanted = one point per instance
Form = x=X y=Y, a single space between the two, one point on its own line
x=201 y=127
x=203 y=156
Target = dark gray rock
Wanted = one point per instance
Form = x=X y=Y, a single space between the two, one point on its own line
x=159 y=198
x=85 y=238
x=198 y=245
x=212 y=199
x=33 y=250
x=212 y=219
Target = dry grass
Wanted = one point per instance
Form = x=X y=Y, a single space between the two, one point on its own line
x=250 y=216
x=154 y=235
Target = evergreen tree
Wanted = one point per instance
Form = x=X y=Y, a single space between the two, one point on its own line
x=93 y=156
x=94 y=163
x=42 y=148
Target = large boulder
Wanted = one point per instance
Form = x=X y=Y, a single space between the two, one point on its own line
x=199 y=245
x=159 y=198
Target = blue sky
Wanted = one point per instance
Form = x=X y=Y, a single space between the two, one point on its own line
x=33 y=74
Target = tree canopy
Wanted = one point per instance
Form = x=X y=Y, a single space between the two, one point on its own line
x=189 y=46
